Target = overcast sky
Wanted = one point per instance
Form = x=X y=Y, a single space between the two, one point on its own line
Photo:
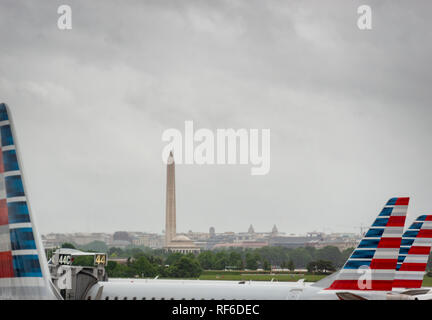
x=349 y=111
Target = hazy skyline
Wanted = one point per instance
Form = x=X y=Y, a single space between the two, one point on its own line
x=349 y=110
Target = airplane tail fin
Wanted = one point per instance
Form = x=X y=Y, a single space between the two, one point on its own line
x=24 y=270
x=414 y=254
x=372 y=265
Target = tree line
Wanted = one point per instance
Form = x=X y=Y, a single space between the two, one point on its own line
x=146 y=262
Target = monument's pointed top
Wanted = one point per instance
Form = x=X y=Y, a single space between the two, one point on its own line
x=170 y=158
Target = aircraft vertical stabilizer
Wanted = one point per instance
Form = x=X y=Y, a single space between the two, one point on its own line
x=414 y=254
x=372 y=265
x=23 y=266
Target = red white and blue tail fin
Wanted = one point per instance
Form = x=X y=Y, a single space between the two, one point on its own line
x=414 y=254
x=23 y=266
x=372 y=265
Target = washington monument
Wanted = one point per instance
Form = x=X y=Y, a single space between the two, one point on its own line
x=170 y=215
x=174 y=242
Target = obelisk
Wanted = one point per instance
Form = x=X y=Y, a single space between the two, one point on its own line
x=170 y=218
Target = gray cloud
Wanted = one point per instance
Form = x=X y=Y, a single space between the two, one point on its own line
x=349 y=110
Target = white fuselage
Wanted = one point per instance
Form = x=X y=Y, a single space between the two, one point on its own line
x=160 y=289
x=152 y=289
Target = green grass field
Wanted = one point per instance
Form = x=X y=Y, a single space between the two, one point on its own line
x=238 y=276
x=427 y=281
x=244 y=276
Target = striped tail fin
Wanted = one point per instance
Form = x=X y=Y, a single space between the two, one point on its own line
x=23 y=266
x=414 y=254
x=372 y=265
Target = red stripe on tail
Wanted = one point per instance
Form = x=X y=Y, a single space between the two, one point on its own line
x=401 y=283
x=396 y=221
x=379 y=285
x=419 y=250
x=389 y=243
x=4 y=219
x=389 y=264
x=425 y=233
x=6 y=268
x=410 y=266
x=402 y=201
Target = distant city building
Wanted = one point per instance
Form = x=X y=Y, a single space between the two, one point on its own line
x=194 y=241
x=122 y=236
x=291 y=241
x=251 y=229
x=212 y=232
x=120 y=243
x=53 y=240
x=274 y=231
x=246 y=245
x=151 y=240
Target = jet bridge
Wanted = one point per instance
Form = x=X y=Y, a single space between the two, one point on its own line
x=73 y=280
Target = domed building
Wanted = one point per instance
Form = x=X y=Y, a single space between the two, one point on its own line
x=174 y=242
x=251 y=229
x=212 y=232
x=274 y=231
x=182 y=244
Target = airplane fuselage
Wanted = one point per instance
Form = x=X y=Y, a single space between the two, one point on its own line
x=150 y=289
